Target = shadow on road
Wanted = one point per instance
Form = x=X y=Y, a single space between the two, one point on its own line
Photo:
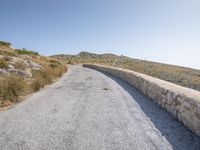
x=175 y=132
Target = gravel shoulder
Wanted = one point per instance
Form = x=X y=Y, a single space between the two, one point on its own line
x=90 y=110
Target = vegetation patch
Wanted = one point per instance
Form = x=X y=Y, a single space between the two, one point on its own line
x=3 y=63
x=7 y=44
x=7 y=53
x=26 y=52
x=14 y=87
x=46 y=76
x=11 y=87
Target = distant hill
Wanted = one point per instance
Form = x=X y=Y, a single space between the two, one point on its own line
x=183 y=76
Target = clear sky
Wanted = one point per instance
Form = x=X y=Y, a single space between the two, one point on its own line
x=159 y=30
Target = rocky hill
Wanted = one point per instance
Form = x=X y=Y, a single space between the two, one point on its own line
x=183 y=76
x=23 y=71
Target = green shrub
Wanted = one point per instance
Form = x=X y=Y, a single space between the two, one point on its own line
x=2 y=43
x=27 y=52
x=11 y=87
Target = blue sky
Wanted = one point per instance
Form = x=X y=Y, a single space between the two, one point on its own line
x=158 y=30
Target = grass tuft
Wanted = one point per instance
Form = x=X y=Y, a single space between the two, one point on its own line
x=3 y=63
x=11 y=87
x=46 y=76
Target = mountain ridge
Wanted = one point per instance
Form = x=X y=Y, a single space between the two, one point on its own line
x=184 y=76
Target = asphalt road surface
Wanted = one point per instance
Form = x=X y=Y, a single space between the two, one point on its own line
x=89 y=110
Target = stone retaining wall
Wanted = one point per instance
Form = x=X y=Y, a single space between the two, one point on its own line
x=183 y=103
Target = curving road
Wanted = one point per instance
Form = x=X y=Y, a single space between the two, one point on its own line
x=89 y=110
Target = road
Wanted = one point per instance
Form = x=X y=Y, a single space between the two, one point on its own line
x=89 y=110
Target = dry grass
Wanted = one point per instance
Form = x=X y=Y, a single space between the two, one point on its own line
x=46 y=76
x=186 y=77
x=3 y=63
x=52 y=69
x=19 y=65
x=7 y=51
x=13 y=87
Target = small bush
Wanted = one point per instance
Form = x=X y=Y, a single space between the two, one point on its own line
x=2 y=43
x=38 y=83
x=41 y=78
x=11 y=87
x=53 y=65
x=27 y=52
x=3 y=63
x=54 y=61
x=69 y=62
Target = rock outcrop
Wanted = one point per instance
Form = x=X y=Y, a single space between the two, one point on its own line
x=13 y=66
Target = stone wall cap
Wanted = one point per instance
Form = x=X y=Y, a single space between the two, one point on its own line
x=191 y=93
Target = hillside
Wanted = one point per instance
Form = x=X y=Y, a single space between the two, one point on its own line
x=179 y=75
x=23 y=72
